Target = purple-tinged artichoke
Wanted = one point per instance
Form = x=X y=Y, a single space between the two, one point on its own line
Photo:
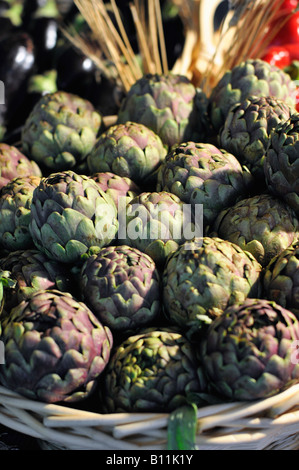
x=262 y=224
x=60 y=131
x=14 y=164
x=152 y=371
x=281 y=279
x=204 y=174
x=203 y=277
x=249 y=352
x=121 y=286
x=116 y=186
x=32 y=271
x=71 y=215
x=15 y=210
x=131 y=150
x=55 y=348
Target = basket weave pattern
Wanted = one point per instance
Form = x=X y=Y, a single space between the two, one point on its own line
x=272 y=423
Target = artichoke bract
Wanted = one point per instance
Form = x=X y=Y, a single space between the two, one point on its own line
x=157 y=223
x=153 y=371
x=55 y=348
x=164 y=103
x=33 y=271
x=203 y=277
x=252 y=77
x=281 y=165
x=249 y=352
x=247 y=129
x=262 y=224
x=116 y=186
x=201 y=173
x=60 y=131
x=15 y=210
x=131 y=150
x=121 y=285
x=281 y=279
x=14 y=164
x=71 y=215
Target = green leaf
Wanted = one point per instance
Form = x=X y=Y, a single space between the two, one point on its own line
x=182 y=427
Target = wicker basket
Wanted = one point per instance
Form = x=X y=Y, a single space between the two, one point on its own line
x=272 y=423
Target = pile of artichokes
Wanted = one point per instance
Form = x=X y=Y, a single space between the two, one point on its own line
x=154 y=261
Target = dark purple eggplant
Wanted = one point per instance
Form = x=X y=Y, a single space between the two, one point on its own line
x=16 y=65
x=45 y=33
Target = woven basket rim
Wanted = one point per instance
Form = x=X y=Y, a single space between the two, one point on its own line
x=271 y=423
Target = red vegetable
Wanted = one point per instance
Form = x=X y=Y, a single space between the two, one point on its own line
x=278 y=55
x=293 y=50
x=289 y=33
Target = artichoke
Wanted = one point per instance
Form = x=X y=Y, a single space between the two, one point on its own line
x=55 y=348
x=153 y=371
x=252 y=77
x=203 y=277
x=71 y=215
x=60 y=131
x=200 y=173
x=261 y=224
x=116 y=186
x=281 y=279
x=247 y=129
x=15 y=209
x=32 y=271
x=156 y=224
x=281 y=165
x=14 y=164
x=121 y=286
x=164 y=103
x=131 y=150
x=249 y=351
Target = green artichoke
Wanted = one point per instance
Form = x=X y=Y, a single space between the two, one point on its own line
x=121 y=286
x=55 y=348
x=203 y=277
x=14 y=164
x=247 y=129
x=116 y=186
x=253 y=77
x=156 y=224
x=70 y=215
x=15 y=209
x=281 y=165
x=204 y=174
x=153 y=371
x=249 y=351
x=262 y=224
x=164 y=103
x=281 y=279
x=131 y=150
x=32 y=271
x=60 y=131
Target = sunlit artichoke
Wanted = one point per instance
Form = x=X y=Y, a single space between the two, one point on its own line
x=202 y=174
x=60 y=131
x=249 y=352
x=203 y=277
x=70 y=215
x=55 y=348
x=121 y=285
x=261 y=224
x=130 y=149
x=116 y=186
x=252 y=77
x=153 y=371
x=164 y=103
x=157 y=223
